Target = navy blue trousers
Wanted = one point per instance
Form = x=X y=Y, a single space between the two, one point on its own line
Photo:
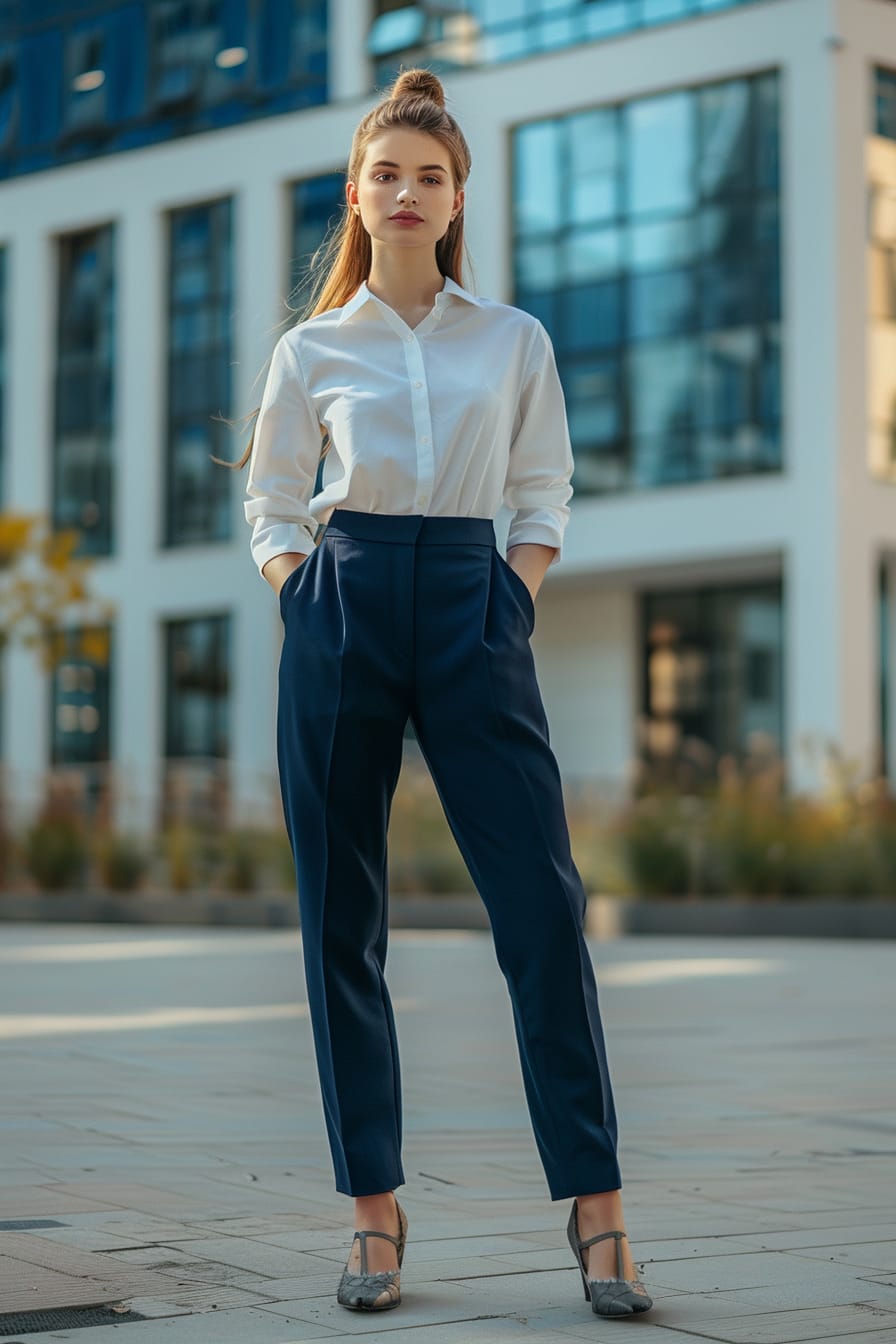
x=394 y=617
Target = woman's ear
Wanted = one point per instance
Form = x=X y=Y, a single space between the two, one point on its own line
x=351 y=197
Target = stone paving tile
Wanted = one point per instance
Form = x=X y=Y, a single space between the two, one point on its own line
x=260 y=1257
x=203 y=1145
x=285 y=1290
x=748 y=1271
x=246 y=1325
x=859 y=1322
x=38 y=1273
x=186 y=1265
x=873 y=1255
x=497 y=1331
x=427 y=1304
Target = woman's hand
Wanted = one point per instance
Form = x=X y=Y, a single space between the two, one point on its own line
x=530 y=560
x=279 y=567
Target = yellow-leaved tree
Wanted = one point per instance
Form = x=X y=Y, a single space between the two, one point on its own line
x=44 y=587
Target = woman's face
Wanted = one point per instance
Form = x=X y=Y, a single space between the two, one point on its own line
x=405 y=171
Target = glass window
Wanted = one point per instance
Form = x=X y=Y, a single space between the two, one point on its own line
x=3 y=254
x=885 y=103
x=712 y=675
x=9 y=102
x=649 y=234
x=82 y=80
x=200 y=303
x=82 y=484
x=502 y=30
x=80 y=697
x=317 y=203
x=660 y=142
x=86 y=86
x=197 y=687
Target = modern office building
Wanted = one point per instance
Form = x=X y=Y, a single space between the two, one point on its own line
x=696 y=197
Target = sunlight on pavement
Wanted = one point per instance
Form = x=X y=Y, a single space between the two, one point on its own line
x=13 y=1025
x=685 y=968
x=136 y=947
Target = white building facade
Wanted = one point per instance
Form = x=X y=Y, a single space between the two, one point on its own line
x=697 y=197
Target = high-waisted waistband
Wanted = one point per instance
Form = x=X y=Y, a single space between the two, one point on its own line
x=410 y=528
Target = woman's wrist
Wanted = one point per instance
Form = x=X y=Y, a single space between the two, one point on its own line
x=278 y=569
x=530 y=560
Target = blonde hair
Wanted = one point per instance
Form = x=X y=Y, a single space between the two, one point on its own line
x=416 y=101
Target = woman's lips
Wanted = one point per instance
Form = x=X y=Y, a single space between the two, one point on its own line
x=406 y=219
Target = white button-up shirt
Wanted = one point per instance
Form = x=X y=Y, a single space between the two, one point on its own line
x=458 y=415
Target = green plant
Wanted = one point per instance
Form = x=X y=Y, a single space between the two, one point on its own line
x=179 y=845
x=120 y=860
x=242 y=853
x=655 y=846
x=56 y=852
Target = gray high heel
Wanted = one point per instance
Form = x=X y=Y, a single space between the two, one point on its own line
x=360 y=1291
x=608 y=1297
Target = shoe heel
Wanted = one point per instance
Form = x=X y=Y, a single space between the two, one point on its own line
x=573 y=1241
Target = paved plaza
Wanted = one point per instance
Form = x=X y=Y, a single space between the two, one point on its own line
x=162 y=1142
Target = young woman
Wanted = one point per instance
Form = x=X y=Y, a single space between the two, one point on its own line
x=436 y=406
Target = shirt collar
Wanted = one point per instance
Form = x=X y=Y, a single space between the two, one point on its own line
x=363 y=295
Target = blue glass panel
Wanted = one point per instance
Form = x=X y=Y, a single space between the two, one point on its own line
x=79 y=700
x=661 y=303
x=768 y=258
x=3 y=254
x=660 y=137
x=662 y=244
x=591 y=316
x=500 y=12
x=397 y=30
x=660 y=380
x=538 y=265
x=885 y=103
x=593 y=176
x=550 y=33
x=724 y=158
x=602 y=18
x=662 y=11
x=591 y=254
x=9 y=99
x=770 y=379
x=729 y=363
x=318 y=203
x=593 y=402
x=538 y=198
x=126 y=67
x=768 y=114
x=41 y=69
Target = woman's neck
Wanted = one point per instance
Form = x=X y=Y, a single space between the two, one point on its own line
x=404 y=281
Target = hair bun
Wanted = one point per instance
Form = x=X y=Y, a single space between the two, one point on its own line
x=421 y=82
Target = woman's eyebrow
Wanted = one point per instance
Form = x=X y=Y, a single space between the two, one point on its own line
x=425 y=168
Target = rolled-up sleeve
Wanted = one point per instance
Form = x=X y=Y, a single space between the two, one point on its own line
x=283 y=462
x=538 y=485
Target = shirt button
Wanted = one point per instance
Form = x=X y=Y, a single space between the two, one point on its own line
x=421 y=500
x=418 y=383
x=424 y=438
x=409 y=338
